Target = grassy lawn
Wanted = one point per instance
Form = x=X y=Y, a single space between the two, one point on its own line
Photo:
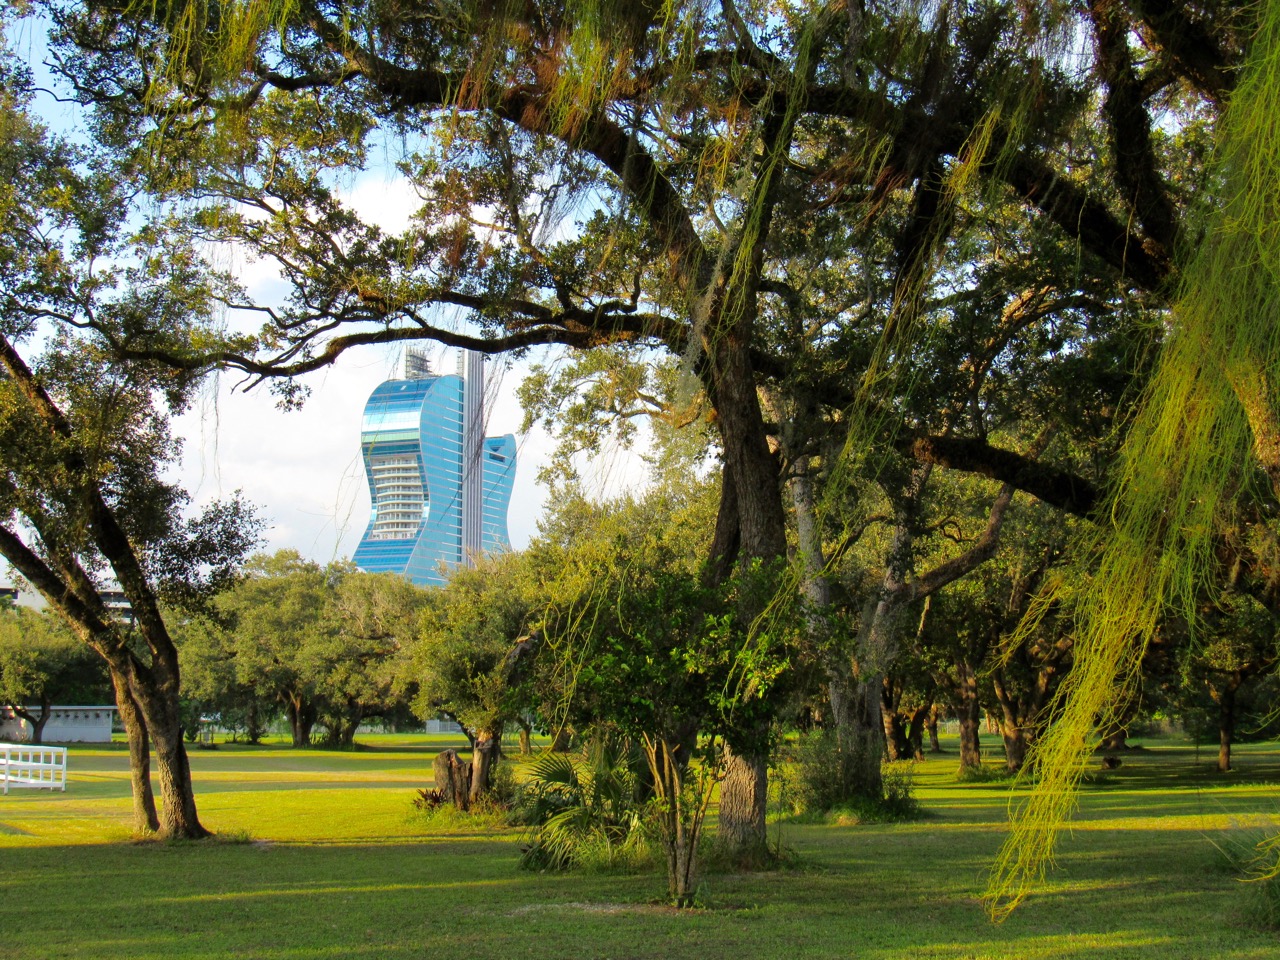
x=339 y=867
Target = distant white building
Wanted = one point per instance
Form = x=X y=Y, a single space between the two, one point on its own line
x=437 y=725
x=65 y=725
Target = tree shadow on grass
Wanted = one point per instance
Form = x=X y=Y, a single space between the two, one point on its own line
x=880 y=892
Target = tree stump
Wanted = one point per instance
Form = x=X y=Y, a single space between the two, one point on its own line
x=453 y=779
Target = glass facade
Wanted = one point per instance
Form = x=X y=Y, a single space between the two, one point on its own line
x=412 y=441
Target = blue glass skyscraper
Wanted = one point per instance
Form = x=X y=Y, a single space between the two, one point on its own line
x=440 y=488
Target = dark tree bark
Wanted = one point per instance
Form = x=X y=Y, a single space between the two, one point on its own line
x=302 y=719
x=1115 y=738
x=1021 y=704
x=1013 y=724
x=897 y=743
x=452 y=777
x=969 y=713
x=486 y=753
x=37 y=720
x=1015 y=744
x=864 y=741
x=1225 y=693
x=145 y=819
x=917 y=721
x=254 y=728
x=757 y=503
x=343 y=734
x=153 y=687
x=931 y=725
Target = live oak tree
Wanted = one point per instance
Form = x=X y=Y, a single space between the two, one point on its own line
x=211 y=686
x=964 y=639
x=1234 y=654
x=322 y=642
x=673 y=256
x=376 y=616
x=685 y=130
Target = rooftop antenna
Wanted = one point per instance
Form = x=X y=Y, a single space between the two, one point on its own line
x=417 y=365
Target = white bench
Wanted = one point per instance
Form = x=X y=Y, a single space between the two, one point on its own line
x=25 y=765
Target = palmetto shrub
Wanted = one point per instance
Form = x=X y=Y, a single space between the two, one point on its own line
x=584 y=808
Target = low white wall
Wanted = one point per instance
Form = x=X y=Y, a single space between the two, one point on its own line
x=87 y=724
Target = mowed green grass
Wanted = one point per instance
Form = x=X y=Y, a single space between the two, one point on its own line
x=339 y=867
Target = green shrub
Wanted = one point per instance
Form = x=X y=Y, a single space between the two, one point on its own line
x=987 y=773
x=584 y=809
x=898 y=804
x=428 y=800
x=823 y=776
x=504 y=787
x=823 y=779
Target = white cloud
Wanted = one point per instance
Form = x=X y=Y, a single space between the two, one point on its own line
x=303 y=468
x=390 y=202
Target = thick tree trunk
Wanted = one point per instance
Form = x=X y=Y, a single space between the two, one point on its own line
x=145 y=819
x=859 y=739
x=1012 y=730
x=752 y=471
x=253 y=728
x=1116 y=738
x=452 y=778
x=864 y=742
x=915 y=730
x=1015 y=746
x=969 y=713
x=897 y=746
x=866 y=738
x=931 y=725
x=840 y=695
x=743 y=799
x=1115 y=734
x=178 y=818
x=487 y=752
x=302 y=718
x=877 y=651
x=816 y=590
x=342 y=733
x=347 y=734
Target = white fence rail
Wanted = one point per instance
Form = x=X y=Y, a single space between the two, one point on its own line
x=25 y=765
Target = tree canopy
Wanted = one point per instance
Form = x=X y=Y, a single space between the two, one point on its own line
x=1028 y=242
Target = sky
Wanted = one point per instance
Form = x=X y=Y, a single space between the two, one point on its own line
x=302 y=469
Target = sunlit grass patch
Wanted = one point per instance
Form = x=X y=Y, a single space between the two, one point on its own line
x=340 y=866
